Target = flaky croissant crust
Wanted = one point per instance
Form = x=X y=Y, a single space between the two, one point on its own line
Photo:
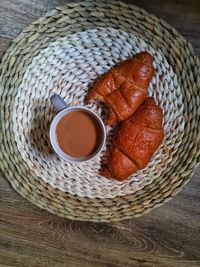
x=135 y=141
x=125 y=87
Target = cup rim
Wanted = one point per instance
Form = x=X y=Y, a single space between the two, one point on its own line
x=53 y=139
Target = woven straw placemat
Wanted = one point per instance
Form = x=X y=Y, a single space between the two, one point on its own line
x=64 y=52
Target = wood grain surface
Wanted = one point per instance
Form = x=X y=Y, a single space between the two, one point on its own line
x=167 y=236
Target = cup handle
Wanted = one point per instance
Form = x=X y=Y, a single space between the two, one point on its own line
x=58 y=102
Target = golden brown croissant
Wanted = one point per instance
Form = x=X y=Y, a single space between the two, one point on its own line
x=136 y=141
x=124 y=88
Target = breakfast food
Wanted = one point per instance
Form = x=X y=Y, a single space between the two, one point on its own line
x=124 y=88
x=136 y=141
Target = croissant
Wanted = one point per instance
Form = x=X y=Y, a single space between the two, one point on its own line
x=124 y=88
x=135 y=141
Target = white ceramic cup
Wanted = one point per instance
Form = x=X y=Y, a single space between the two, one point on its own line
x=63 y=110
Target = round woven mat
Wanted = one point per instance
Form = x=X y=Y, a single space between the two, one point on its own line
x=65 y=52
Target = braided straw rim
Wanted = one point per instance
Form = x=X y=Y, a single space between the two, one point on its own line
x=78 y=17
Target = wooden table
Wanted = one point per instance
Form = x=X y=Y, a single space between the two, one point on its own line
x=167 y=236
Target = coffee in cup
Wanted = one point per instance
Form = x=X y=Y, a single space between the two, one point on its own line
x=77 y=134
